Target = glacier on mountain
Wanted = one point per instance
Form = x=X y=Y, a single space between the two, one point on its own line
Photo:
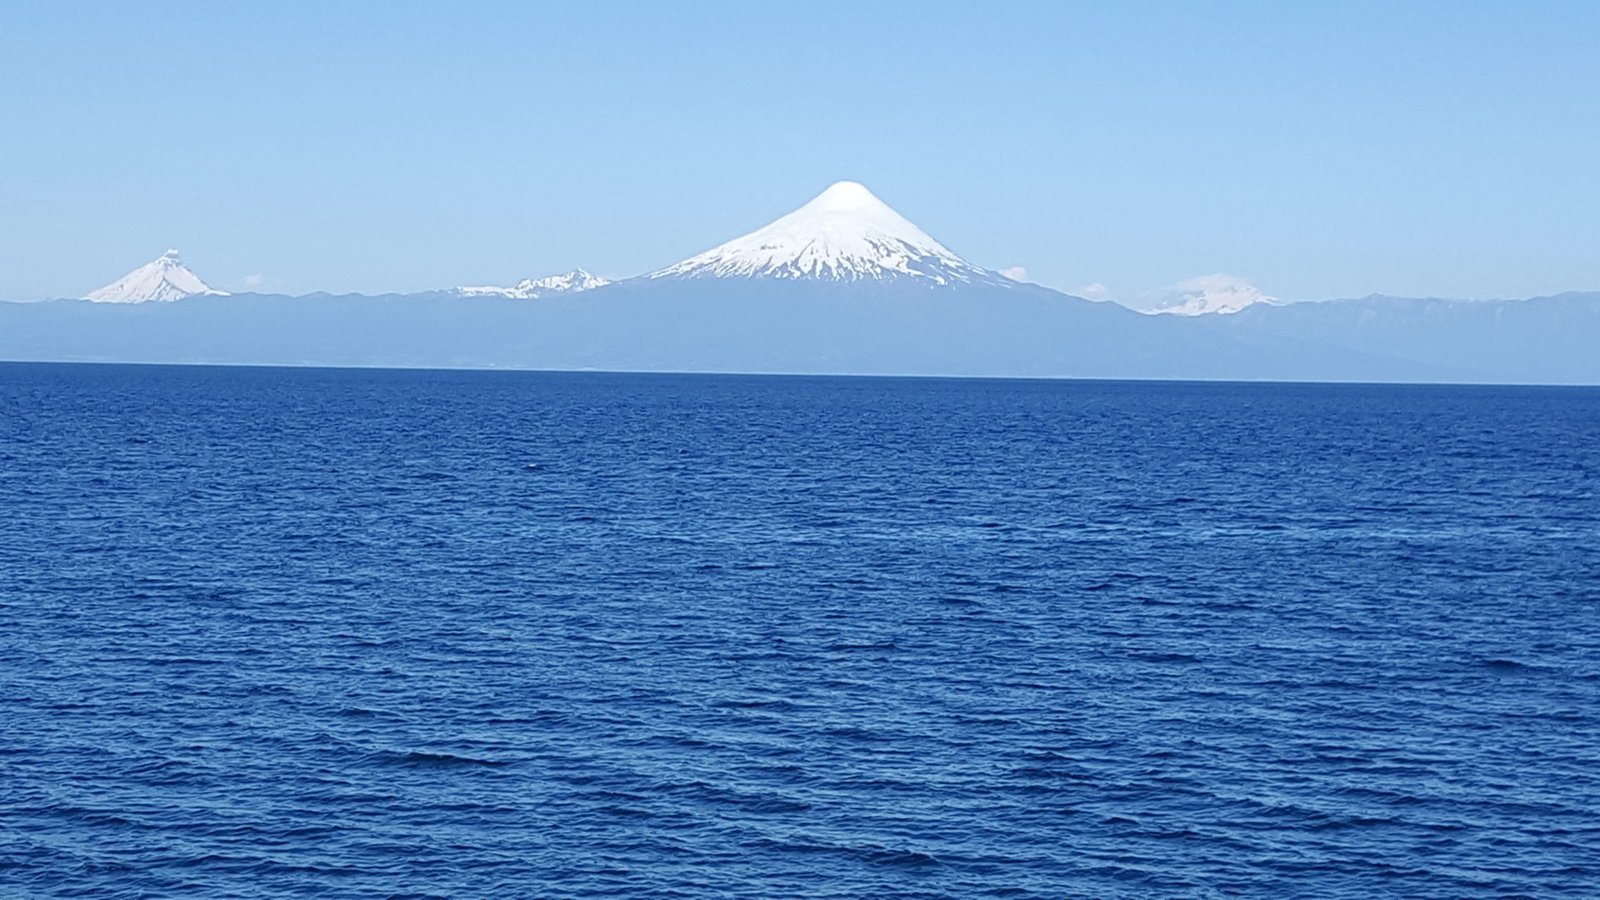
x=162 y=280
x=573 y=282
x=1202 y=295
x=844 y=234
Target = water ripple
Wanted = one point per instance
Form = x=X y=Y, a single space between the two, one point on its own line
x=437 y=634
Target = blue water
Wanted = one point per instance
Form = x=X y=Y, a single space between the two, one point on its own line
x=296 y=632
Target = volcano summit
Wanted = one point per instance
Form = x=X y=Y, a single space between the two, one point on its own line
x=844 y=234
x=163 y=279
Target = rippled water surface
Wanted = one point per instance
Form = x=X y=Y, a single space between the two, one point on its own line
x=273 y=632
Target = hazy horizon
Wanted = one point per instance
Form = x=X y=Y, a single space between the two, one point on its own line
x=1428 y=150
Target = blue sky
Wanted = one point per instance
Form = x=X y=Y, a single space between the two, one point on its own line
x=1320 y=151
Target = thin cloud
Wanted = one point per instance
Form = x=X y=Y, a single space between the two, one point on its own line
x=1092 y=291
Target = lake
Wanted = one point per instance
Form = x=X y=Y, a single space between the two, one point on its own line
x=447 y=633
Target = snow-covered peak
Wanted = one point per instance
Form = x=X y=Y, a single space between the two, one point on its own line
x=572 y=282
x=565 y=283
x=164 y=279
x=1203 y=295
x=844 y=234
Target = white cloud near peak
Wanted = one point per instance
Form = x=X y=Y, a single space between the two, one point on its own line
x=1091 y=291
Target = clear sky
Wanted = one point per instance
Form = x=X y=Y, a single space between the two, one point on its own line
x=1319 y=150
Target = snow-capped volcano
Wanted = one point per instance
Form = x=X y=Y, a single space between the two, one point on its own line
x=844 y=234
x=165 y=279
x=572 y=282
x=1217 y=294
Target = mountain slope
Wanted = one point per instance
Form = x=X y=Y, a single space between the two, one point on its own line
x=1548 y=340
x=743 y=325
x=1205 y=295
x=845 y=234
x=163 y=280
x=573 y=282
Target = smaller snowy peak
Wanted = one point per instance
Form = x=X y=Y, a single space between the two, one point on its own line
x=844 y=234
x=1217 y=294
x=163 y=280
x=573 y=282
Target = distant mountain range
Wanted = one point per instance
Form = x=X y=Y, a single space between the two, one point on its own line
x=844 y=284
x=572 y=282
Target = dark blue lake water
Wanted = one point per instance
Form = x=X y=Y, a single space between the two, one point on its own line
x=461 y=634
